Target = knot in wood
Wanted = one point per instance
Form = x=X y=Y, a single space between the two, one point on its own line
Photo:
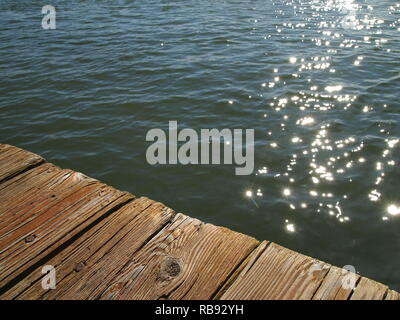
x=79 y=266
x=170 y=268
x=30 y=238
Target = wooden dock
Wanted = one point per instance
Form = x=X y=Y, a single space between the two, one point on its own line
x=109 y=244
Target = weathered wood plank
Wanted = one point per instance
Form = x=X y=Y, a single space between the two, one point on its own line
x=245 y=264
x=277 y=273
x=187 y=259
x=109 y=244
x=368 y=289
x=338 y=284
x=142 y=250
x=14 y=160
x=44 y=207
x=392 y=295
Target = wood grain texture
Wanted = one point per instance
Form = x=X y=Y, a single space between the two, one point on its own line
x=99 y=254
x=188 y=259
x=392 y=295
x=338 y=284
x=143 y=251
x=42 y=208
x=368 y=289
x=14 y=160
x=277 y=273
x=105 y=244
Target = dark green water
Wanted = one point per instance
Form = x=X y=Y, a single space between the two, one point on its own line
x=318 y=81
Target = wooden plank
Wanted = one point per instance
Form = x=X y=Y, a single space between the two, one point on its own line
x=247 y=262
x=187 y=259
x=277 y=273
x=14 y=160
x=43 y=208
x=368 y=289
x=338 y=284
x=392 y=295
x=109 y=244
x=106 y=246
